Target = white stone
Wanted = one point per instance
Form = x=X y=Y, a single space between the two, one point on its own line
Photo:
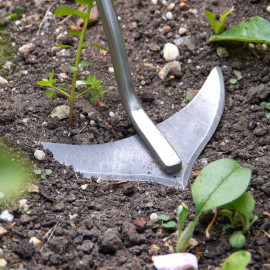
x=61 y=112
x=264 y=46
x=154 y=217
x=193 y=11
x=268 y=9
x=6 y=216
x=111 y=69
x=39 y=155
x=3 y=231
x=251 y=45
x=164 y=2
x=169 y=15
x=182 y=31
x=84 y=187
x=170 y=52
x=8 y=65
x=23 y=203
x=63 y=53
x=36 y=242
x=80 y=83
x=3 y=263
x=154 y=2
x=92 y=123
x=111 y=114
x=26 y=48
x=3 y=80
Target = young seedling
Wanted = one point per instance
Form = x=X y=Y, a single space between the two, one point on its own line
x=221 y=184
x=186 y=100
x=235 y=80
x=266 y=106
x=165 y=222
x=14 y=16
x=43 y=174
x=27 y=211
x=91 y=84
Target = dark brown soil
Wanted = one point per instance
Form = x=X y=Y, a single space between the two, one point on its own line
x=93 y=228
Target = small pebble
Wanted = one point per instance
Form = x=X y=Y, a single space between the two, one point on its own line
x=111 y=70
x=6 y=216
x=164 y=2
x=39 y=155
x=171 y=6
x=264 y=47
x=22 y=203
x=112 y=114
x=3 y=263
x=3 y=80
x=36 y=242
x=170 y=52
x=251 y=45
x=8 y=65
x=154 y=217
x=169 y=15
x=154 y=2
x=222 y=52
x=92 y=123
x=26 y=48
x=268 y=9
x=3 y=231
x=182 y=31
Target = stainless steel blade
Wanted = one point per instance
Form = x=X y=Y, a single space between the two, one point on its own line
x=188 y=131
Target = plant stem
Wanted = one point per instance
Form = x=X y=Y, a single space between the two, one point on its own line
x=77 y=62
x=211 y=224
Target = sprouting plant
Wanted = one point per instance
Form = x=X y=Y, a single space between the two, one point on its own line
x=14 y=16
x=218 y=26
x=222 y=185
x=166 y=222
x=27 y=211
x=237 y=261
x=186 y=100
x=91 y=84
x=266 y=106
x=43 y=174
x=5 y=248
x=246 y=31
x=235 y=80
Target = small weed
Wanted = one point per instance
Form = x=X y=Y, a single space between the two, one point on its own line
x=266 y=106
x=27 y=211
x=14 y=16
x=91 y=84
x=186 y=100
x=237 y=261
x=235 y=80
x=5 y=248
x=43 y=174
x=165 y=222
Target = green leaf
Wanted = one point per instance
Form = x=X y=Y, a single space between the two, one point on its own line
x=74 y=32
x=92 y=79
x=44 y=82
x=268 y=115
x=19 y=10
x=226 y=213
x=63 y=46
x=72 y=68
x=237 y=261
x=95 y=45
x=102 y=92
x=11 y=16
x=51 y=75
x=169 y=225
x=219 y=183
x=164 y=218
x=182 y=213
x=66 y=11
x=233 y=81
x=50 y=93
x=226 y=227
x=244 y=205
x=43 y=176
x=218 y=27
x=48 y=172
x=94 y=97
x=85 y=2
x=183 y=242
x=265 y=105
x=256 y=30
x=38 y=172
x=237 y=240
x=84 y=64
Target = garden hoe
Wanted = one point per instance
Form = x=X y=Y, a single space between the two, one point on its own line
x=165 y=153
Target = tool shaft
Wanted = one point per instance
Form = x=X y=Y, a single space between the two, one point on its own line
x=148 y=132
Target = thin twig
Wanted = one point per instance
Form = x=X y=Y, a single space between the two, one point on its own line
x=211 y=224
x=61 y=22
x=45 y=16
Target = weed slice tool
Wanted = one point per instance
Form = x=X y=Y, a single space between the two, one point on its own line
x=175 y=143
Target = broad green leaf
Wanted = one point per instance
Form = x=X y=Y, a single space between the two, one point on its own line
x=182 y=213
x=63 y=46
x=95 y=45
x=48 y=171
x=169 y=225
x=72 y=68
x=219 y=183
x=92 y=79
x=66 y=11
x=218 y=27
x=183 y=242
x=256 y=30
x=11 y=16
x=85 y=64
x=164 y=218
x=237 y=261
x=85 y=2
x=19 y=10
x=244 y=205
x=74 y=32
x=237 y=240
x=50 y=93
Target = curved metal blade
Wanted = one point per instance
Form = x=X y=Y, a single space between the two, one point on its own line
x=188 y=131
